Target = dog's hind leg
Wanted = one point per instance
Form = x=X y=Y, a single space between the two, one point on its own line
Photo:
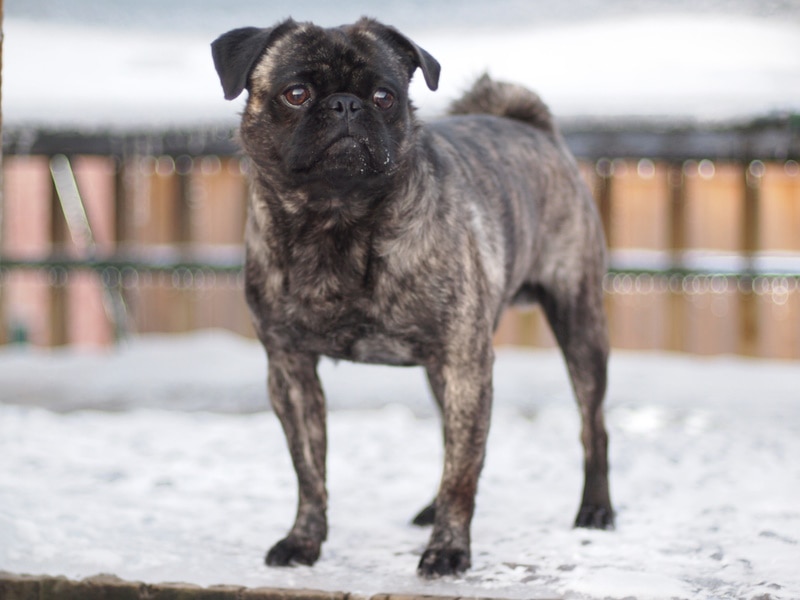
x=576 y=316
x=298 y=401
x=428 y=514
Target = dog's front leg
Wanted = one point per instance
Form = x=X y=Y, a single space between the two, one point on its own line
x=298 y=401
x=466 y=398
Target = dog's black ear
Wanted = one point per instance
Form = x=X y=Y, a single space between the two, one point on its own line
x=430 y=66
x=419 y=58
x=236 y=53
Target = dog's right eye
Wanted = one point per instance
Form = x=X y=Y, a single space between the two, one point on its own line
x=297 y=95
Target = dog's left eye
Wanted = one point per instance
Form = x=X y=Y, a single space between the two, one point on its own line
x=383 y=99
x=297 y=95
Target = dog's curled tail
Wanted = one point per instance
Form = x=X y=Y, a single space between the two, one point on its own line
x=504 y=100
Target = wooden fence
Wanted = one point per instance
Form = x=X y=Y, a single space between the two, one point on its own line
x=705 y=257
x=705 y=252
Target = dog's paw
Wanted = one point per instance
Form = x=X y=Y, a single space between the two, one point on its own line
x=595 y=517
x=426 y=516
x=443 y=561
x=293 y=550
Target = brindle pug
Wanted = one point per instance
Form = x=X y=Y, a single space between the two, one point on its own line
x=374 y=238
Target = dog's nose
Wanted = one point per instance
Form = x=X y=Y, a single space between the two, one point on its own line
x=344 y=105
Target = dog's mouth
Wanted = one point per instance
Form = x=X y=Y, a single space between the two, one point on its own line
x=346 y=144
x=350 y=154
x=346 y=156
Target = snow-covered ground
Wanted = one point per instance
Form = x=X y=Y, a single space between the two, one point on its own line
x=158 y=462
x=708 y=65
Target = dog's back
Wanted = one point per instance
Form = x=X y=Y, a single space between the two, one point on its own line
x=507 y=158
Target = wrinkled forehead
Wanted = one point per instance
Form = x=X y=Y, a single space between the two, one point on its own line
x=343 y=55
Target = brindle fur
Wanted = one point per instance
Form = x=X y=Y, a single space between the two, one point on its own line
x=402 y=244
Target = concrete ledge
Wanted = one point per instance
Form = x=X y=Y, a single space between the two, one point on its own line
x=111 y=587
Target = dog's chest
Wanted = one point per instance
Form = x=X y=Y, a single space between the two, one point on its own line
x=368 y=318
x=342 y=292
x=349 y=329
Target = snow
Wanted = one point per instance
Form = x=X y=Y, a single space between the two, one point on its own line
x=707 y=66
x=160 y=462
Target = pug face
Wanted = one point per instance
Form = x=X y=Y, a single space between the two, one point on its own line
x=326 y=106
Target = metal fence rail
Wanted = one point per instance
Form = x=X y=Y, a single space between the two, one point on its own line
x=770 y=138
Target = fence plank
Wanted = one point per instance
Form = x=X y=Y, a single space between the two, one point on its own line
x=778 y=304
x=749 y=230
x=714 y=200
x=218 y=212
x=779 y=233
x=640 y=206
x=779 y=226
x=27 y=233
x=676 y=302
x=219 y=202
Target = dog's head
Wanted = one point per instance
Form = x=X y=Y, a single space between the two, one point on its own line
x=324 y=105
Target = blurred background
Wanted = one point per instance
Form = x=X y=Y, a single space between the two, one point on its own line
x=124 y=193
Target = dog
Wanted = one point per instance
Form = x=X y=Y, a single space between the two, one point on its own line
x=373 y=238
